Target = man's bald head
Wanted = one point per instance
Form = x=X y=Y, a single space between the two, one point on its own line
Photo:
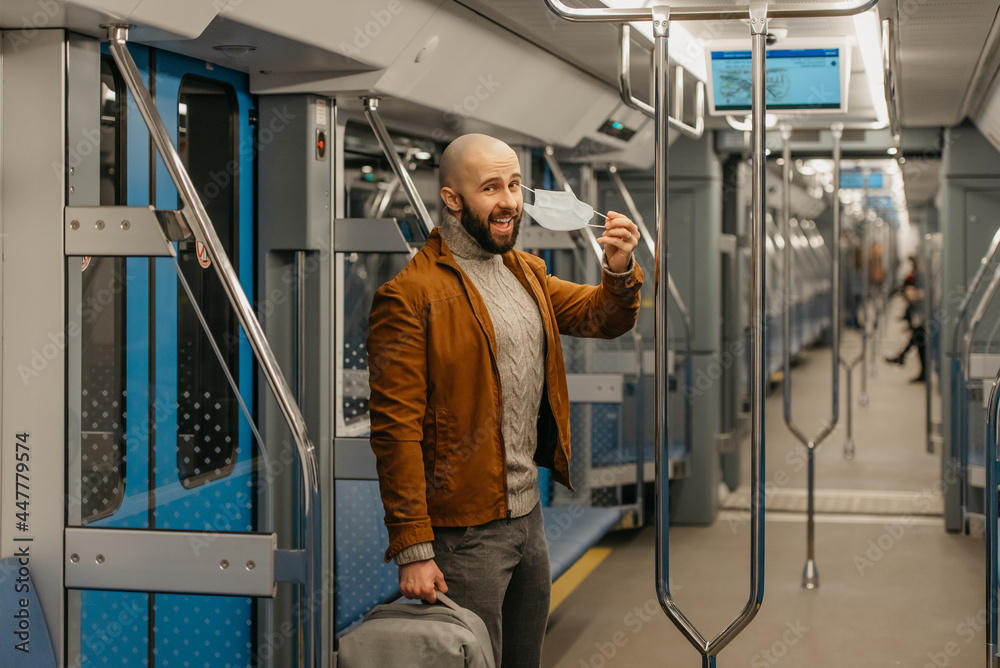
x=481 y=187
x=464 y=156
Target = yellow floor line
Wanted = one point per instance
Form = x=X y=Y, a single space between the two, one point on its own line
x=577 y=573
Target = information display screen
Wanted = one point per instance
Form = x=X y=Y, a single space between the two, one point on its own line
x=796 y=79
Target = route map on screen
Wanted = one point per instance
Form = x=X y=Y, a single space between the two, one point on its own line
x=795 y=79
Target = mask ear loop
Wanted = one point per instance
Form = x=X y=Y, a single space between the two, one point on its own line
x=601 y=227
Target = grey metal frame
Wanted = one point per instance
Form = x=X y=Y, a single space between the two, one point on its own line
x=758 y=14
x=977 y=317
x=810 y=575
x=958 y=347
x=201 y=226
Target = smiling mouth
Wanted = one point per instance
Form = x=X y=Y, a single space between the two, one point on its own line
x=502 y=223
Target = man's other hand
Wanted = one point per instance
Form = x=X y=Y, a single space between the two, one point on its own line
x=421 y=579
x=620 y=238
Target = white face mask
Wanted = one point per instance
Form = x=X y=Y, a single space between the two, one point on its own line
x=559 y=210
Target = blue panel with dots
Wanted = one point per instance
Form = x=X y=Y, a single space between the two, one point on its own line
x=363 y=578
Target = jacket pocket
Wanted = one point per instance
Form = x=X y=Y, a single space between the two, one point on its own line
x=442 y=467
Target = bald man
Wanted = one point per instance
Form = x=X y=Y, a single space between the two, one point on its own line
x=468 y=396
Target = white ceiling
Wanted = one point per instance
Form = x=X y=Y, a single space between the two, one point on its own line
x=940 y=42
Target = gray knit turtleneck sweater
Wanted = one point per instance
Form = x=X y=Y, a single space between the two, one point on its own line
x=520 y=341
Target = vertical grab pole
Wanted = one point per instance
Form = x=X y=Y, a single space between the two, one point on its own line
x=758 y=32
x=661 y=32
x=810 y=574
x=865 y=296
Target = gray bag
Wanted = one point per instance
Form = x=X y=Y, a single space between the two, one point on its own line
x=404 y=635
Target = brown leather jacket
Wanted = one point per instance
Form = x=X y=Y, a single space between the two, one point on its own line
x=435 y=389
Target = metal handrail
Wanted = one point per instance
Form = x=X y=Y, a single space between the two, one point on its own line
x=889 y=77
x=959 y=371
x=963 y=445
x=679 y=304
x=625 y=90
x=963 y=307
x=201 y=225
x=591 y=239
x=398 y=168
x=810 y=575
x=710 y=13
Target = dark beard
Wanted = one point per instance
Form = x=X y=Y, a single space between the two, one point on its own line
x=479 y=228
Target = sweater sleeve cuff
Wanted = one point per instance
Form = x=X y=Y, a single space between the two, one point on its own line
x=625 y=274
x=413 y=553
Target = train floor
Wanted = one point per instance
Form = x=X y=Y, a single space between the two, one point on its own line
x=895 y=588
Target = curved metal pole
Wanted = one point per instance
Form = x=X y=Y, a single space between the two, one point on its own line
x=625 y=90
x=963 y=308
x=708 y=13
x=403 y=174
x=810 y=575
x=201 y=225
x=678 y=304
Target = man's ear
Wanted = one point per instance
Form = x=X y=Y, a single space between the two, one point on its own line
x=451 y=199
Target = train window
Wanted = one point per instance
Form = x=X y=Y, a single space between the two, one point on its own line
x=207 y=413
x=373 y=191
x=102 y=318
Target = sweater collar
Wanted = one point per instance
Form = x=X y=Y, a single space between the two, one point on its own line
x=461 y=243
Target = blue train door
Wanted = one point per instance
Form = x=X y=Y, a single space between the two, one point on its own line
x=164 y=440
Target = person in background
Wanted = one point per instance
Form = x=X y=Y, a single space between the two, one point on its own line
x=913 y=293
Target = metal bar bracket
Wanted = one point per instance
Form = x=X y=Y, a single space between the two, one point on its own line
x=227 y=564
x=123 y=231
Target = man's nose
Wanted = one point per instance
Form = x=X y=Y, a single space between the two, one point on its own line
x=507 y=200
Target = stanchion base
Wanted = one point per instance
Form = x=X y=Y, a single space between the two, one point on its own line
x=849 y=450
x=810 y=576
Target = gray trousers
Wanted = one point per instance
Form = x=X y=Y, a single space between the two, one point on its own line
x=500 y=571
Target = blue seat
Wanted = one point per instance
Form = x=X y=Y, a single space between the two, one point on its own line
x=364 y=579
x=26 y=642
x=572 y=530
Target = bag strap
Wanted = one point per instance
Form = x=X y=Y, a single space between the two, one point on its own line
x=447 y=601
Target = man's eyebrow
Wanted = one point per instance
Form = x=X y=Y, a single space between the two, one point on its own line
x=514 y=177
